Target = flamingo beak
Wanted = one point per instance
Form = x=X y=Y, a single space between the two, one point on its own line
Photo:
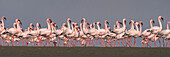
x=95 y=23
x=69 y=20
x=125 y=21
x=50 y=20
x=153 y=21
x=88 y=24
x=65 y=25
x=120 y=22
x=20 y=22
x=39 y=25
x=142 y=23
x=130 y=22
x=162 y=19
x=107 y=22
x=0 y=21
x=99 y=24
x=138 y=25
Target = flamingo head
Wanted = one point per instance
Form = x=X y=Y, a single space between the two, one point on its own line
x=55 y=25
x=3 y=17
x=22 y=29
x=76 y=24
x=141 y=22
x=118 y=22
x=137 y=23
x=17 y=20
x=68 y=20
x=106 y=22
x=49 y=20
x=31 y=24
x=94 y=23
x=87 y=24
x=99 y=24
x=131 y=22
x=152 y=21
x=124 y=20
x=82 y=20
x=20 y=22
x=160 y=17
x=65 y=25
x=38 y=25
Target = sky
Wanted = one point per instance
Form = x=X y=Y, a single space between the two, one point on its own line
x=33 y=11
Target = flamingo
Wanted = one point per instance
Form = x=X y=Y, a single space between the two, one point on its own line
x=120 y=30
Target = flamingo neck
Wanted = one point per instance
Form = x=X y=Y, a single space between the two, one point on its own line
x=90 y=26
x=137 y=27
x=80 y=26
x=160 y=24
x=124 y=26
x=118 y=26
x=68 y=23
x=37 y=28
x=132 y=26
x=84 y=25
x=105 y=26
x=98 y=26
x=151 y=24
x=52 y=27
x=94 y=25
x=140 y=29
x=48 y=25
x=14 y=26
x=167 y=27
x=18 y=27
x=114 y=27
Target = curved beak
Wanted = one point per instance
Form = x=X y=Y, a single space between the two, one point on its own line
x=50 y=20
x=3 y=17
x=107 y=22
x=125 y=21
x=65 y=25
x=20 y=22
x=141 y=22
x=88 y=24
x=130 y=22
x=162 y=19
x=99 y=24
x=120 y=22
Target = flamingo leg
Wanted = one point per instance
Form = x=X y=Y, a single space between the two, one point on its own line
x=119 y=43
x=135 y=42
x=123 y=43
